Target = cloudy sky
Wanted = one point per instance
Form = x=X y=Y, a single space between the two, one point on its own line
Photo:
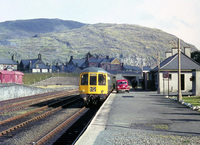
x=178 y=17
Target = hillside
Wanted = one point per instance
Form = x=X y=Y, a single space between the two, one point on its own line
x=57 y=40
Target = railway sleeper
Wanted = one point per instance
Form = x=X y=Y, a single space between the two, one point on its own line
x=6 y=132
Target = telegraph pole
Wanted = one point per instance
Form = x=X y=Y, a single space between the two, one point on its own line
x=158 y=76
x=179 y=72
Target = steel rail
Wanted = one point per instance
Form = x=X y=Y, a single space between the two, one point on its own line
x=82 y=131
x=14 y=100
x=33 y=111
x=64 y=124
x=7 y=131
x=22 y=105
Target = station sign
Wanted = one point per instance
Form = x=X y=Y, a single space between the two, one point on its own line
x=166 y=74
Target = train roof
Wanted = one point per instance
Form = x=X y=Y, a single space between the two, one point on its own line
x=94 y=69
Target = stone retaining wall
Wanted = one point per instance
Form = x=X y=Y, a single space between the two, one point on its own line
x=16 y=91
x=59 y=81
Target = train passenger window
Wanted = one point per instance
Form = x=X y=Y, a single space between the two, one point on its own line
x=93 y=80
x=84 y=79
x=102 y=79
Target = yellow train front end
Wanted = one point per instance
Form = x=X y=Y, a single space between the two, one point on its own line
x=93 y=85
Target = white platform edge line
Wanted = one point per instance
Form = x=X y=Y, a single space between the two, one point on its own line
x=98 y=123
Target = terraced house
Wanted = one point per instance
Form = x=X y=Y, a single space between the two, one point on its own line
x=8 y=64
x=34 y=65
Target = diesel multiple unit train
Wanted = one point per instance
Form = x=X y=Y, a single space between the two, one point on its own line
x=95 y=84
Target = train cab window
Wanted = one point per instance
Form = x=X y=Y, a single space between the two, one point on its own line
x=102 y=79
x=84 y=79
x=93 y=80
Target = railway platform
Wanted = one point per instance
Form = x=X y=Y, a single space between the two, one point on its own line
x=142 y=118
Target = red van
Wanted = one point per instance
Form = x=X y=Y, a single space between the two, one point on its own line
x=122 y=85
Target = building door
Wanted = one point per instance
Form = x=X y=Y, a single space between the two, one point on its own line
x=182 y=81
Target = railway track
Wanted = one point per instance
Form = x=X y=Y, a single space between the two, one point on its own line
x=20 y=103
x=66 y=124
x=42 y=125
x=70 y=129
x=54 y=104
x=58 y=105
x=73 y=133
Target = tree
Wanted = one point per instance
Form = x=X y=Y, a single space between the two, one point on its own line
x=196 y=56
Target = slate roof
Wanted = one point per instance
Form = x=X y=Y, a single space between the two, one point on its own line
x=66 y=68
x=94 y=69
x=133 y=68
x=171 y=63
x=26 y=62
x=100 y=60
x=107 y=60
x=8 y=61
x=95 y=60
x=71 y=69
x=146 y=68
x=39 y=63
x=82 y=62
x=79 y=62
x=40 y=66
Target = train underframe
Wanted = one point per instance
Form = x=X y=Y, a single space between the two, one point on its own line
x=93 y=99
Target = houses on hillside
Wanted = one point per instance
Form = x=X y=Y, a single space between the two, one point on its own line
x=36 y=65
x=146 y=77
x=109 y=64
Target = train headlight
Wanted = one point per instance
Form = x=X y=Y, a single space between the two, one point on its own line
x=102 y=91
x=82 y=91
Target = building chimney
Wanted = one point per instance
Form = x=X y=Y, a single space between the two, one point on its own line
x=187 y=51
x=62 y=68
x=174 y=50
x=71 y=58
x=30 y=64
x=13 y=57
x=39 y=56
x=168 y=54
x=107 y=57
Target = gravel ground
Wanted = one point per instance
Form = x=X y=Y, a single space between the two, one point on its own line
x=140 y=138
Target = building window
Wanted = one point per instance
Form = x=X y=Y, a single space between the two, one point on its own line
x=170 y=76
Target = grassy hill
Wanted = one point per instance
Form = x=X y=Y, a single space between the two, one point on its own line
x=57 y=40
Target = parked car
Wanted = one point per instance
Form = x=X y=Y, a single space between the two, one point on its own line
x=122 y=85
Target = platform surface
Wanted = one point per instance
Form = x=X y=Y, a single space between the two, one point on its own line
x=142 y=118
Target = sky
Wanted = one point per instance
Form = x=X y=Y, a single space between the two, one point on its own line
x=178 y=17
